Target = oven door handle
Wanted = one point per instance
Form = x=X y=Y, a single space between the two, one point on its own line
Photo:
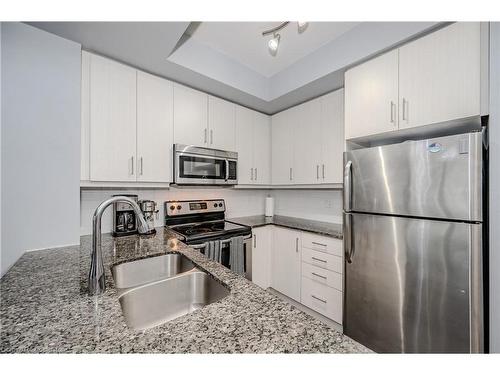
x=227 y=169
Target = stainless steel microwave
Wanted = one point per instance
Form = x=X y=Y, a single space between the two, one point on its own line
x=204 y=166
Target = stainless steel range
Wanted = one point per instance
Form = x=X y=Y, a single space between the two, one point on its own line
x=201 y=224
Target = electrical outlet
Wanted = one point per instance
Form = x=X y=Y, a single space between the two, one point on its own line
x=328 y=203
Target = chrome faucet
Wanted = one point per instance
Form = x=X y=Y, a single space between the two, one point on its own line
x=97 y=281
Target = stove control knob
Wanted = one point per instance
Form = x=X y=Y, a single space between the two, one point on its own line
x=179 y=207
x=220 y=204
x=215 y=205
x=172 y=207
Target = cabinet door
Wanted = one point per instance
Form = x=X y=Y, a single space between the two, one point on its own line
x=190 y=116
x=439 y=76
x=332 y=137
x=285 y=276
x=262 y=148
x=244 y=145
x=85 y=119
x=261 y=256
x=154 y=128
x=371 y=96
x=282 y=129
x=307 y=143
x=112 y=121
x=221 y=124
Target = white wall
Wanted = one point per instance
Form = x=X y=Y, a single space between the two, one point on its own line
x=40 y=141
x=238 y=202
x=494 y=138
x=322 y=205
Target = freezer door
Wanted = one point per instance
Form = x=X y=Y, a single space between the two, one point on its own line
x=436 y=178
x=409 y=283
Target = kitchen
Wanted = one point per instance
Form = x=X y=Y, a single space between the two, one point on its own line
x=177 y=207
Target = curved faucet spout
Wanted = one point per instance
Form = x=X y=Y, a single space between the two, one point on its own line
x=96 y=280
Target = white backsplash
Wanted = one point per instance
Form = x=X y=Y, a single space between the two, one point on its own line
x=322 y=205
x=238 y=202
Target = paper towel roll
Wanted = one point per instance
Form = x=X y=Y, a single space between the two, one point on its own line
x=270 y=206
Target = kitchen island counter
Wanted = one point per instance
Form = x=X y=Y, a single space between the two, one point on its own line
x=45 y=309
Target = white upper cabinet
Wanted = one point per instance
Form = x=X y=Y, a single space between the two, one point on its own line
x=371 y=96
x=244 y=145
x=154 y=128
x=85 y=119
x=112 y=121
x=307 y=143
x=439 y=76
x=433 y=79
x=253 y=144
x=221 y=124
x=332 y=137
x=262 y=148
x=190 y=116
x=282 y=147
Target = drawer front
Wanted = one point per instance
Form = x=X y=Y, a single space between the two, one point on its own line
x=322 y=243
x=323 y=299
x=322 y=276
x=322 y=260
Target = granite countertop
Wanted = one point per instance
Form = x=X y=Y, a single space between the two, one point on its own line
x=44 y=308
x=313 y=226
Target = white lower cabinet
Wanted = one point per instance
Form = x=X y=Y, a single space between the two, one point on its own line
x=321 y=298
x=286 y=260
x=262 y=243
x=285 y=276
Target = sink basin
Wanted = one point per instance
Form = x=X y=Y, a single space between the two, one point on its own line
x=155 y=303
x=143 y=271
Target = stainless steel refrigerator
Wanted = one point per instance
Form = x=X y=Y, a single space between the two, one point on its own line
x=413 y=219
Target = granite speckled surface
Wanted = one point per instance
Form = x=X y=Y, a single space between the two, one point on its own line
x=313 y=226
x=44 y=308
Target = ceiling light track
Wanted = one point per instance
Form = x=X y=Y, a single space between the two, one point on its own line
x=274 y=42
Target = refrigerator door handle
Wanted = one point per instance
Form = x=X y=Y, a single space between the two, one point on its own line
x=348 y=236
x=347 y=186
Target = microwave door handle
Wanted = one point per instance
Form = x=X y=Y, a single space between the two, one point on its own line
x=227 y=169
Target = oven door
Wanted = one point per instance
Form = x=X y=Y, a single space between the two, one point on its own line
x=195 y=169
x=226 y=251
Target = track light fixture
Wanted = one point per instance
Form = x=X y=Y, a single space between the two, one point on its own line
x=274 y=42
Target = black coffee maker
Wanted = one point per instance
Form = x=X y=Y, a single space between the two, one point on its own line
x=124 y=219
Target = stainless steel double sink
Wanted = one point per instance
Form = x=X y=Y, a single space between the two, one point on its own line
x=155 y=290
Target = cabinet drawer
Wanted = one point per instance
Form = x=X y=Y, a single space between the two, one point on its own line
x=322 y=243
x=322 y=260
x=322 y=276
x=321 y=298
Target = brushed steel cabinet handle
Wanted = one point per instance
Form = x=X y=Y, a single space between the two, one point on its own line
x=297 y=245
x=132 y=165
x=323 y=170
x=290 y=174
x=319 y=260
x=317 y=171
x=318 y=243
x=211 y=137
x=315 y=274
x=405 y=104
x=254 y=241
x=251 y=174
x=256 y=178
x=142 y=166
x=317 y=298
x=205 y=133
x=392 y=111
